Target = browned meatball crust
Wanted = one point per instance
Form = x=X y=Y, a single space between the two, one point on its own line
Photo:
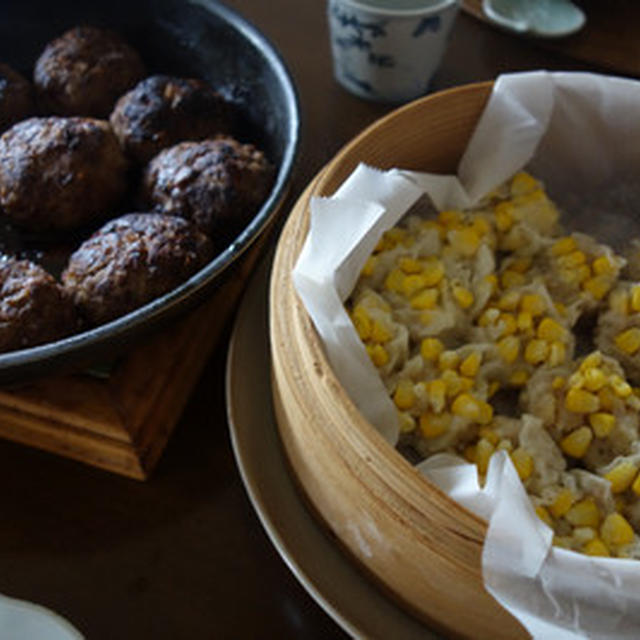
x=161 y=111
x=57 y=173
x=34 y=308
x=16 y=97
x=216 y=183
x=132 y=260
x=84 y=72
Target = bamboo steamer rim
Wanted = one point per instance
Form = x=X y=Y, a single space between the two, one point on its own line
x=308 y=392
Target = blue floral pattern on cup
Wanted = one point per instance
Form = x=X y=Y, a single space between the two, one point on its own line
x=387 y=57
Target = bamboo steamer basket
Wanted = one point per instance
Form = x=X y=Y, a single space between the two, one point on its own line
x=417 y=543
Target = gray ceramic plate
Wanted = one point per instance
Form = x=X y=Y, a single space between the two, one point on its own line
x=200 y=38
x=331 y=578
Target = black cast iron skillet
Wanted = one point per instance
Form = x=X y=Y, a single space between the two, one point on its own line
x=196 y=38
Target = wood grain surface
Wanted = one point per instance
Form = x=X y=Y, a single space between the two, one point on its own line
x=609 y=39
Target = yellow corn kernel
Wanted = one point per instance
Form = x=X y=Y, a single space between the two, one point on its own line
x=481 y=226
x=463 y=297
x=523 y=183
x=471 y=364
x=361 y=321
x=494 y=387
x=484 y=451
x=466 y=406
x=557 y=353
x=394 y=280
x=557 y=383
x=486 y=412
x=533 y=303
x=615 y=530
x=448 y=360
x=411 y=284
x=437 y=394
x=504 y=445
x=426 y=299
x=406 y=422
x=432 y=426
x=509 y=349
x=581 y=401
x=629 y=340
x=576 y=275
x=450 y=217
x=596 y=547
x=621 y=476
x=509 y=324
x=464 y=241
x=594 y=379
x=577 y=442
x=634 y=301
x=391 y=238
x=536 y=351
x=404 y=396
x=504 y=216
x=431 y=348
x=603 y=265
x=584 y=513
x=543 y=514
x=509 y=301
x=380 y=333
x=523 y=462
x=572 y=260
x=563 y=246
x=489 y=434
x=562 y=503
x=369 y=266
x=519 y=378
x=620 y=386
x=635 y=485
x=378 y=354
x=524 y=320
x=576 y=380
x=619 y=301
x=521 y=265
x=469 y=453
x=489 y=316
x=602 y=424
x=549 y=329
x=607 y=398
x=598 y=286
x=409 y=265
x=510 y=279
x=594 y=359
x=432 y=272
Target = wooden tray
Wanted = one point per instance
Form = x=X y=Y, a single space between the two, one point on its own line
x=121 y=422
x=610 y=39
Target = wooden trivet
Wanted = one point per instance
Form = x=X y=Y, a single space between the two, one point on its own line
x=609 y=39
x=122 y=423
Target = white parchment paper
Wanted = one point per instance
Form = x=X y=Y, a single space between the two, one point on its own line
x=580 y=134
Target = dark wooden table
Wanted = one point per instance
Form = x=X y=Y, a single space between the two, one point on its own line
x=184 y=555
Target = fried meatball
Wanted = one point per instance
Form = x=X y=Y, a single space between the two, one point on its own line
x=84 y=72
x=161 y=111
x=132 y=260
x=16 y=97
x=34 y=308
x=218 y=184
x=57 y=173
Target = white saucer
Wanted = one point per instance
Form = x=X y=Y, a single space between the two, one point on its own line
x=331 y=578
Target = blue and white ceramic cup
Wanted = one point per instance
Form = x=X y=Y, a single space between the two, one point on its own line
x=388 y=50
